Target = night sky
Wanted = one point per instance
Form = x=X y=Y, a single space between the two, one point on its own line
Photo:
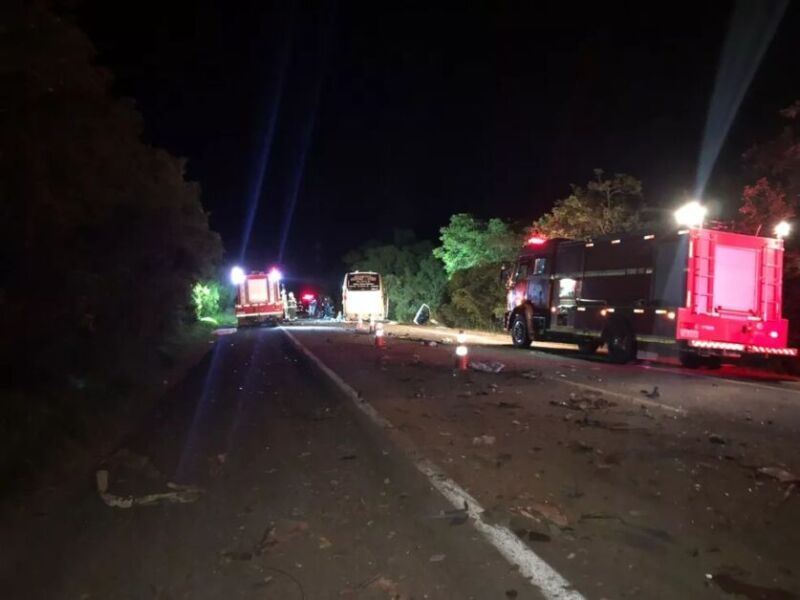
x=413 y=113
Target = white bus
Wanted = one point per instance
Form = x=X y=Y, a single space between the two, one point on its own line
x=362 y=296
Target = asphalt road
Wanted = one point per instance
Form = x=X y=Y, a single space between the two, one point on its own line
x=313 y=489
x=634 y=481
x=300 y=499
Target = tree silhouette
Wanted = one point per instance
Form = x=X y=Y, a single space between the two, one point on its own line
x=103 y=234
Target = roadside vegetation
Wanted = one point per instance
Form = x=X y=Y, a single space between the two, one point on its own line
x=103 y=239
x=213 y=303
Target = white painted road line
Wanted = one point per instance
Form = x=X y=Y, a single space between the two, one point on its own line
x=621 y=395
x=540 y=574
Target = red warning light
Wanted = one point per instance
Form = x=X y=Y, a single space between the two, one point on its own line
x=308 y=297
x=536 y=240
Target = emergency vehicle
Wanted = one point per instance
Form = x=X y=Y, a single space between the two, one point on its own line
x=259 y=297
x=708 y=295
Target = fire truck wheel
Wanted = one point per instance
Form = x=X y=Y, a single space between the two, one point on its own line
x=519 y=332
x=690 y=360
x=712 y=362
x=621 y=342
x=588 y=347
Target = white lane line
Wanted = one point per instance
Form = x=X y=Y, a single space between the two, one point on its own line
x=540 y=574
x=621 y=395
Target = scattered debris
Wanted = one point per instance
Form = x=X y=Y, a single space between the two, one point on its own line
x=321 y=413
x=324 y=543
x=505 y=404
x=609 y=425
x=731 y=585
x=348 y=457
x=579 y=446
x=511 y=594
x=715 y=438
x=503 y=458
x=531 y=374
x=437 y=558
x=279 y=533
x=780 y=474
x=456 y=516
x=384 y=584
x=658 y=534
x=586 y=400
x=789 y=491
x=549 y=512
x=490 y=367
x=483 y=440
x=178 y=494
x=653 y=394
x=531 y=535
x=237 y=555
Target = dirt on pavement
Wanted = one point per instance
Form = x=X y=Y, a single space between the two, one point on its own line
x=295 y=499
x=628 y=493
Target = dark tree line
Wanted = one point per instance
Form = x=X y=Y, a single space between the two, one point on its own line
x=102 y=234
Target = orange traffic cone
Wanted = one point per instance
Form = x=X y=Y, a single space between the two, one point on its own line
x=380 y=340
x=462 y=354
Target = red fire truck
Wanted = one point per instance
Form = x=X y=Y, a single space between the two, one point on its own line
x=259 y=298
x=707 y=295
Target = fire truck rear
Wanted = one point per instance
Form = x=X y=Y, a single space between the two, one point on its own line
x=706 y=295
x=259 y=297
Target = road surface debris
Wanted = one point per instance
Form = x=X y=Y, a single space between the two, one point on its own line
x=483 y=440
x=487 y=367
x=178 y=494
x=780 y=474
x=651 y=394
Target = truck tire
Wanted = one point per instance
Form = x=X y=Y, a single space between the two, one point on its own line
x=588 y=347
x=690 y=360
x=621 y=342
x=520 y=336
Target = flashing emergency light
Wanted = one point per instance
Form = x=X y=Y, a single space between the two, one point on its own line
x=782 y=229
x=691 y=214
x=308 y=297
x=274 y=275
x=237 y=276
x=536 y=240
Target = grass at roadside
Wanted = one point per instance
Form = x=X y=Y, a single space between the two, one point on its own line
x=220 y=319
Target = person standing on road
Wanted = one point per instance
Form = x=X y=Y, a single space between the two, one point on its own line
x=291 y=307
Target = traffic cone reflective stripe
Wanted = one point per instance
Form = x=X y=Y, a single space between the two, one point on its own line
x=462 y=353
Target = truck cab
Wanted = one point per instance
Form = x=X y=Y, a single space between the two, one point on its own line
x=529 y=291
